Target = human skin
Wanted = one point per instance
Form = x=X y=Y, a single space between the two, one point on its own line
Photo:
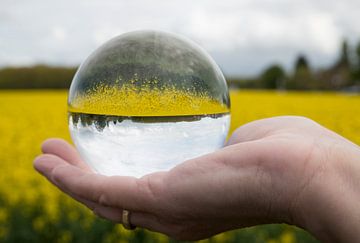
x=276 y=170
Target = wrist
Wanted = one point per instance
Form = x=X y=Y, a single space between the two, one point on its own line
x=330 y=210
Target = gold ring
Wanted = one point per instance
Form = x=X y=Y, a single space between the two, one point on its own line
x=126 y=220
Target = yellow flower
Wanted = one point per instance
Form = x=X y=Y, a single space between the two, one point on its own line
x=29 y=117
x=287 y=237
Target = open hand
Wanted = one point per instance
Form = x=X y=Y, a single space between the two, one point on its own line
x=272 y=170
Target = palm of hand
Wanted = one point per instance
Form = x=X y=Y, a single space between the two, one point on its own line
x=261 y=176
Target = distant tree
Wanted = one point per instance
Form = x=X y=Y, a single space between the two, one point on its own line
x=301 y=63
x=357 y=65
x=302 y=76
x=344 y=54
x=340 y=72
x=36 y=77
x=273 y=77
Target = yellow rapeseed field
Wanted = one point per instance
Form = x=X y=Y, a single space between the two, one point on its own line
x=31 y=210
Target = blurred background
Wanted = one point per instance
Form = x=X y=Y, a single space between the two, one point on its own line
x=273 y=53
x=258 y=44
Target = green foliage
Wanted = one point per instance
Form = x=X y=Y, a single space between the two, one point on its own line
x=273 y=77
x=344 y=54
x=358 y=53
x=340 y=76
x=344 y=72
x=37 y=77
x=30 y=223
x=301 y=63
x=356 y=71
x=302 y=77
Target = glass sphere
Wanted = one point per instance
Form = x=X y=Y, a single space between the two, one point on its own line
x=146 y=101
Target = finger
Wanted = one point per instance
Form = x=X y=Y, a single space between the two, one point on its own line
x=64 y=150
x=109 y=213
x=123 y=192
x=138 y=219
x=262 y=128
x=148 y=221
x=117 y=191
x=252 y=131
x=47 y=162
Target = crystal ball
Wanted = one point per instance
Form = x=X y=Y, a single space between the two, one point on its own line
x=146 y=101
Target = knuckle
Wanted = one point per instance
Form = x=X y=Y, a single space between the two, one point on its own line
x=100 y=195
x=102 y=199
x=152 y=188
x=56 y=174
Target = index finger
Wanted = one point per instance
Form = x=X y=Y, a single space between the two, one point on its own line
x=64 y=150
x=117 y=191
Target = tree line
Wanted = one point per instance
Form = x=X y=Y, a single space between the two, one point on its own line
x=343 y=74
x=36 y=77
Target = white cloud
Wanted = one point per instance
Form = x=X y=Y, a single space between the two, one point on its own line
x=59 y=33
x=323 y=33
x=242 y=36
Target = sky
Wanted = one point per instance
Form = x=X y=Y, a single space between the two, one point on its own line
x=243 y=36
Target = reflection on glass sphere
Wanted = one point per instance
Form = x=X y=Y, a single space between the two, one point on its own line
x=146 y=101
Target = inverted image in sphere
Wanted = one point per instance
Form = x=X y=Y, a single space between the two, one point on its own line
x=146 y=101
